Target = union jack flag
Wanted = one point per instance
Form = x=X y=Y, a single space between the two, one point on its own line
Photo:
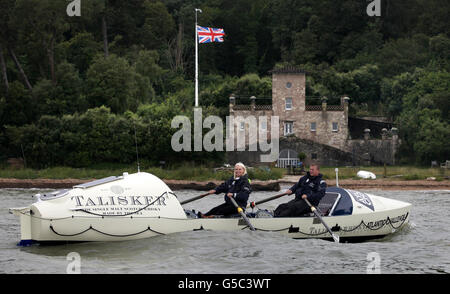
x=208 y=35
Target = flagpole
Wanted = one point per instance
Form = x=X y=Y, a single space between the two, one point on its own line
x=196 y=58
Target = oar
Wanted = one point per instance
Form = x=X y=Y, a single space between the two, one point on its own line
x=253 y=204
x=313 y=209
x=241 y=212
x=193 y=199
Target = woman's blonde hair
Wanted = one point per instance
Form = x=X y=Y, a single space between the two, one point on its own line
x=241 y=165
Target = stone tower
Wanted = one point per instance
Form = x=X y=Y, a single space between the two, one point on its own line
x=288 y=97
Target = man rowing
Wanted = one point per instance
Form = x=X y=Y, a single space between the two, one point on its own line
x=311 y=187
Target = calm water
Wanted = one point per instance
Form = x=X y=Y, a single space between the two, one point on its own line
x=422 y=247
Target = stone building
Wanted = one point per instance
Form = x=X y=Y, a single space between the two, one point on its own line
x=322 y=132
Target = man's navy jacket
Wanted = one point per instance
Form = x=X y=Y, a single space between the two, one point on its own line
x=313 y=187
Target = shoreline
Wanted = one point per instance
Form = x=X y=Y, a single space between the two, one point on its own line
x=271 y=185
x=380 y=184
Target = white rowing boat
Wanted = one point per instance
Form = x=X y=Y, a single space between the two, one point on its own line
x=140 y=205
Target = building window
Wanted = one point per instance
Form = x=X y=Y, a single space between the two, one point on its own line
x=313 y=155
x=288 y=128
x=288 y=103
x=288 y=85
x=242 y=126
x=335 y=127
x=313 y=127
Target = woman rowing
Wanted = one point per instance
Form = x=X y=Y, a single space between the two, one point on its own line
x=237 y=187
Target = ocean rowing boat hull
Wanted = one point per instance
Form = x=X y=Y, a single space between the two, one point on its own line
x=77 y=216
x=131 y=228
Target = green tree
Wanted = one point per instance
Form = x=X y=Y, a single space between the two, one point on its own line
x=424 y=121
x=159 y=26
x=113 y=82
x=432 y=132
x=403 y=55
x=146 y=64
x=63 y=98
x=253 y=85
x=393 y=90
x=80 y=50
x=218 y=90
x=19 y=107
x=431 y=17
x=40 y=141
x=440 y=50
x=42 y=24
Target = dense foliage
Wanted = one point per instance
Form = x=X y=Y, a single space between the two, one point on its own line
x=73 y=88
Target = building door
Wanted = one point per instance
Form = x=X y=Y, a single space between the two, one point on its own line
x=288 y=157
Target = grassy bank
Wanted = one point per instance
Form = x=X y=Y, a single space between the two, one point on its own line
x=196 y=173
x=392 y=172
x=180 y=173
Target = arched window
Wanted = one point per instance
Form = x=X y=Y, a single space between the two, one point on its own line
x=287 y=157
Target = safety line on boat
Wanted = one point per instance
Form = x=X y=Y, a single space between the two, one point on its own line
x=104 y=233
x=389 y=221
x=290 y=227
x=265 y=230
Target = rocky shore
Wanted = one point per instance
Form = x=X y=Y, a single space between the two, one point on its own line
x=272 y=185
x=380 y=184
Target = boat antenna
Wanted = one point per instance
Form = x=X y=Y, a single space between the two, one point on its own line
x=137 y=153
x=337 y=177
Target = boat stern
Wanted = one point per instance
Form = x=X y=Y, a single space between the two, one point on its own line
x=25 y=224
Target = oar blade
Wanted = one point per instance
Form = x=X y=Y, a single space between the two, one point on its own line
x=314 y=210
x=335 y=238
